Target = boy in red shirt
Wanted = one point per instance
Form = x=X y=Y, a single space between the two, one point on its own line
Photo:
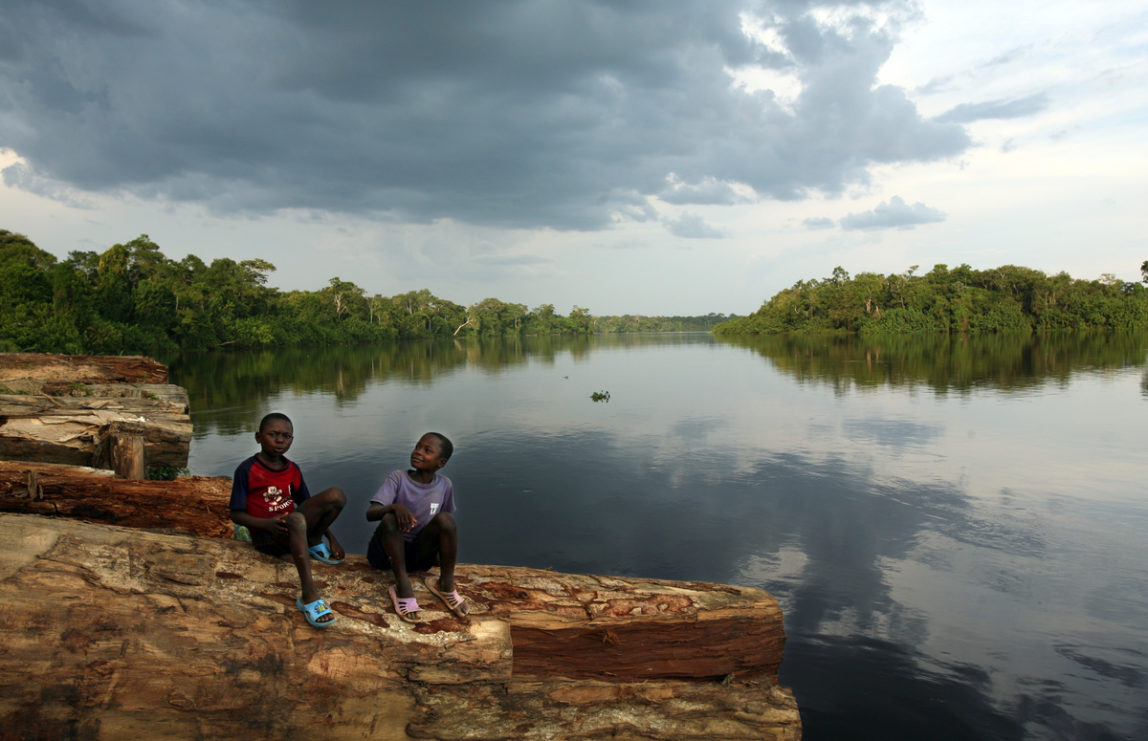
x=269 y=497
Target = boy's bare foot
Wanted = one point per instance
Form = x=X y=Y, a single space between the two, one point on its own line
x=317 y=612
x=452 y=599
x=407 y=608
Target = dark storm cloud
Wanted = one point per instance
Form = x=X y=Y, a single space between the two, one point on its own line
x=998 y=109
x=892 y=214
x=513 y=113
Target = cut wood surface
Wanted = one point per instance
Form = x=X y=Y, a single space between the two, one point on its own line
x=192 y=504
x=111 y=632
x=78 y=409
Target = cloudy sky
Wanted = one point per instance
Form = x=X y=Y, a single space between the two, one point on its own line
x=644 y=156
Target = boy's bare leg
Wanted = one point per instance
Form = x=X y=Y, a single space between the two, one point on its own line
x=392 y=541
x=297 y=542
x=442 y=541
x=321 y=511
x=447 y=549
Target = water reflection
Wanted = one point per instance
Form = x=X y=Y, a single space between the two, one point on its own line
x=951 y=565
x=947 y=363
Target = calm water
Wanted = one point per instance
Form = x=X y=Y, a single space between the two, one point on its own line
x=955 y=530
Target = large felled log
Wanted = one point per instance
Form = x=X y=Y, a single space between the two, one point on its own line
x=18 y=367
x=78 y=410
x=633 y=629
x=110 y=632
x=193 y=504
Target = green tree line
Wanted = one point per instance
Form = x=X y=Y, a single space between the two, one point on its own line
x=133 y=299
x=637 y=323
x=961 y=300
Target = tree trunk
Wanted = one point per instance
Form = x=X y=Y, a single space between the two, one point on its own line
x=193 y=504
x=81 y=368
x=111 y=632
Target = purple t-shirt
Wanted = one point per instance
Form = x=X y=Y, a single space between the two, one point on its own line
x=423 y=500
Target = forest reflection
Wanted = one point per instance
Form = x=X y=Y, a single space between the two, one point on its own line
x=221 y=380
x=946 y=363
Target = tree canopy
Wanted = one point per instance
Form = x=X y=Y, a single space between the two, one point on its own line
x=1008 y=298
x=133 y=299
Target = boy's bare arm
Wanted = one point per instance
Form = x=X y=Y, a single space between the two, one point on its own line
x=240 y=517
x=377 y=511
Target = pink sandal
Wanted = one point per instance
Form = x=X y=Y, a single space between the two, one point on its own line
x=407 y=608
x=453 y=600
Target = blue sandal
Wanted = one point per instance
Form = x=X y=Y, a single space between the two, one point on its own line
x=322 y=553
x=315 y=610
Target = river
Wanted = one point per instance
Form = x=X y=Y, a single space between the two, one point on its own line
x=955 y=527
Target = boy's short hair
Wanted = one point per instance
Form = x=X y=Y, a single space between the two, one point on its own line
x=444 y=443
x=273 y=416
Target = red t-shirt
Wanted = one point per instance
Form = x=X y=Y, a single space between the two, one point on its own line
x=265 y=492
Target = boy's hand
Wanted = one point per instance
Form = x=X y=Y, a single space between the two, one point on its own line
x=404 y=516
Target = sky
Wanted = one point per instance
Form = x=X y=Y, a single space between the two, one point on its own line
x=653 y=157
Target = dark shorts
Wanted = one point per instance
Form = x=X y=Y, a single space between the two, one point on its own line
x=265 y=542
x=378 y=557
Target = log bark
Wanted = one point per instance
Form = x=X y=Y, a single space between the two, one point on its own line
x=109 y=632
x=80 y=368
x=192 y=504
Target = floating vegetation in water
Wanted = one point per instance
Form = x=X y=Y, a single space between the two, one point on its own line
x=600 y=396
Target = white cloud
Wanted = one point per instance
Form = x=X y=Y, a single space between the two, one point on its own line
x=691 y=226
x=894 y=214
x=819 y=222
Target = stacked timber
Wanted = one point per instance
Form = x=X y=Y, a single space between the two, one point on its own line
x=109 y=412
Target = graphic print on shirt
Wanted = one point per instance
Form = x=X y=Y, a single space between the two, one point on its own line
x=276 y=499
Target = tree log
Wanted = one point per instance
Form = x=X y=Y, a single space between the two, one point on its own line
x=110 y=632
x=65 y=369
x=59 y=469
x=192 y=504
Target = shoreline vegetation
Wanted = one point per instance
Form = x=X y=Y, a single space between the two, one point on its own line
x=131 y=299
x=957 y=301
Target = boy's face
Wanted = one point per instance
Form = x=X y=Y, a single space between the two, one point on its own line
x=427 y=455
x=276 y=437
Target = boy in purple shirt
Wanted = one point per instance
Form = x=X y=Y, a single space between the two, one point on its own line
x=417 y=529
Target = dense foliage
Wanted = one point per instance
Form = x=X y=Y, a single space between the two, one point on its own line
x=1008 y=298
x=132 y=299
x=636 y=323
